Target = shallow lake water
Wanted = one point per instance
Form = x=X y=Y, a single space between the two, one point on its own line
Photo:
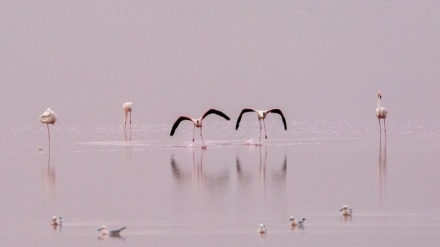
x=321 y=62
x=168 y=191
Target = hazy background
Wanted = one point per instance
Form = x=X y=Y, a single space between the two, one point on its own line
x=321 y=62
x=314 y=59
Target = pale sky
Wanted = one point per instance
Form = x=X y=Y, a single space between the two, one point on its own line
x=313 y=59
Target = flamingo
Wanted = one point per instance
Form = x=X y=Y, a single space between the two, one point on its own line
x=127 y=107
x=381 y=112
x=48 y=117
x=262 y=114
x=346 y=211
x=197 y=122
x=112 y=233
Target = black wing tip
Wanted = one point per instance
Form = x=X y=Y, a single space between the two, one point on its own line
x=215 y=111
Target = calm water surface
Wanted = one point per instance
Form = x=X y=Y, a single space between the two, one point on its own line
x=169 y=192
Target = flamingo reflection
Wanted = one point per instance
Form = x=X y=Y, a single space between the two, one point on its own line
x=50 y=175
x=382 y=167
x=278 y=176
x=212 y=180
x=260 y=182
x=127 y=138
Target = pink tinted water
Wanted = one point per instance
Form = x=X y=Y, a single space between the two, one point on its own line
x=170 y=192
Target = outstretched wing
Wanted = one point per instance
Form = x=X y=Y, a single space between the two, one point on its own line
x=176 y=124
x=239 y=117
x=214 y=111
x=278 y=111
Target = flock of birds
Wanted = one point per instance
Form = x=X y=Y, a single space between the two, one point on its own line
x=49 y=117
x=58 y=221
x=346 y=212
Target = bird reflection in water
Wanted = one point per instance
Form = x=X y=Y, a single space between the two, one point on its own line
x=278 y=176
x=261 y=179
x=127 y=137
x=212 y=179
x=50 y=175
x=56 y=222
x=382 y=167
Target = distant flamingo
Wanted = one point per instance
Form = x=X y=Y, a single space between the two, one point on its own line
x=48 y=117
x=127 y=107
x=197 y=122
x=381 y=112
x=261 y=116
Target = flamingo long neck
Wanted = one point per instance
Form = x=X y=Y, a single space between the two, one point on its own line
x=378 y=103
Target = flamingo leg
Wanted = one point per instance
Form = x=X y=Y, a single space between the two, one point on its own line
x=265 y=135
x=130 y=127
x=260 y=129
x=125 y=120
x=48 y=134
x=384 y=126
x=380 y=127
x=193 y=132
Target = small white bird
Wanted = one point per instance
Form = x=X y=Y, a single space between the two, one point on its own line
x=127 y=107
x=381 y=112
x=112 y=233
x=197 y=122
x=262 y=229
x=346 y=211
x=48 y=117
x=261 y=116
x=55 y=221
x=295 y=222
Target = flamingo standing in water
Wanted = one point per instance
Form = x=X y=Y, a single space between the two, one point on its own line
x=197 y=122
x=127 y=107
x=381 y=112
x=48 y=117
x=261 y=116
